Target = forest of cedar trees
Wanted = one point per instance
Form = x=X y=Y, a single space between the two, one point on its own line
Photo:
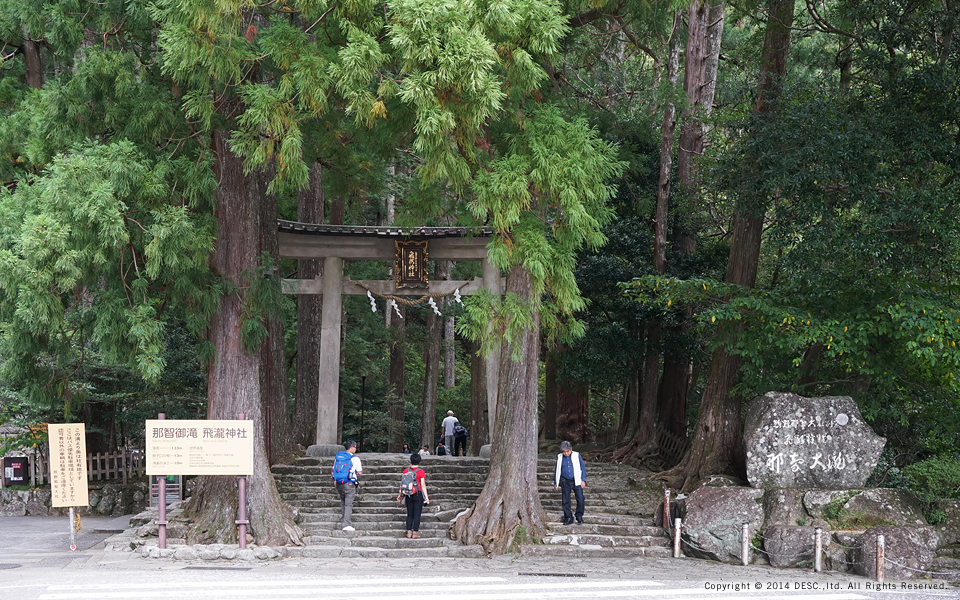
x=693 y=203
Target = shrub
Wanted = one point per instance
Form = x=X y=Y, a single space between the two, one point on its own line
x=935 y=478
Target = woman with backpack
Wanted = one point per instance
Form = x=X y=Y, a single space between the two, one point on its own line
x=413 y=490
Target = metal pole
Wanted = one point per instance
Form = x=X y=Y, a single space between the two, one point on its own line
x=676 y=537
x=880 y=560
x=666 y=508
x=162 y=502
x=242 y=508
x=73 y=530
x=745 y=545
x=818 y=550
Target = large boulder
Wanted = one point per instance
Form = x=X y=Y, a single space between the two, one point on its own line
x=784 y=507
x=884 y=506
x=949 y=529
x=818 y=443
x=861 y=509
x=714 y=520
x=792 y=547
x=909 y=551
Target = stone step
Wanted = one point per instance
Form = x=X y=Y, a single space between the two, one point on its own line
x=951 y=551
x=333 y=551
x=946 y=562
x=615 y=524
x=619 y=541
x=391 y=539
x=397 y=530
x=594 y=551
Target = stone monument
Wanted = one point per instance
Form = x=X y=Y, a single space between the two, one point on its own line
x=819 y=443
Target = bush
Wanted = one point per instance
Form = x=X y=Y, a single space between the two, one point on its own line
x=935 y=478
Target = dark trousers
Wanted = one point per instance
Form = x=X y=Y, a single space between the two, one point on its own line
x=414 y=509
x=460 y=446
x=566 y=486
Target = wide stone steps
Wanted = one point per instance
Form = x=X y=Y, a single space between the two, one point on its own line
x=616 y=523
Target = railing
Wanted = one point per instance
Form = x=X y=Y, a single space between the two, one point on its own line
x=101 y=466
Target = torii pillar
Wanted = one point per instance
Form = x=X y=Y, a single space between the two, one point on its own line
x=328 y=400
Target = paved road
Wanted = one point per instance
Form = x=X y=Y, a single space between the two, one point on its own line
x=35 y=564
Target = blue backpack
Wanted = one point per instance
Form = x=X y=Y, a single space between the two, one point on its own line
x=341 y=467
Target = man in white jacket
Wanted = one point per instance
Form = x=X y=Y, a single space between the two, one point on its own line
x=571 y=474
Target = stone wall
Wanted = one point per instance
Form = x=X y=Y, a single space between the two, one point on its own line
x=106 y=499
x=782 y=525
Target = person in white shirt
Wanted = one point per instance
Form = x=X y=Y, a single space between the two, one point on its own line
x=446 y=430
x=570 y=476
x=425 y=451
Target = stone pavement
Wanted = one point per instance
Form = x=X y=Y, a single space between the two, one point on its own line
x=42 y=542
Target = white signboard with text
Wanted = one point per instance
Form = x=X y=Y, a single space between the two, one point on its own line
x=185 y=447
x=68 y=465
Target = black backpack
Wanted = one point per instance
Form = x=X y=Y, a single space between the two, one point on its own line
x=459 y=430
x=408 y=482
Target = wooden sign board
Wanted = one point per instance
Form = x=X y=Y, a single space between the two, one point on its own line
x=68 y=465
x=411 y=265
x=198 y=447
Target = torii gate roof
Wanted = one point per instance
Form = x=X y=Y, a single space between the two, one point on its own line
x=358 y=242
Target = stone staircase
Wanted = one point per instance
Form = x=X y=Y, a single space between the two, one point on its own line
x=946 y=564
x=617 y=521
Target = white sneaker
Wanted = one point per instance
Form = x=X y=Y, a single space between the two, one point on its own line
x=349 y=528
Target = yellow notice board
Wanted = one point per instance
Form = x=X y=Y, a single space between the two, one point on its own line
x=68 y=465
x=181 y=447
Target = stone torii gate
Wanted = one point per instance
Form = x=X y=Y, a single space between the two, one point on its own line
x=410 y=249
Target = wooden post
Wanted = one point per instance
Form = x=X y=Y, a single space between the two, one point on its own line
x=666 y=508
x=676 y=537
x=491 y=282
x=880 y=559
x=242 y=521
x=818 y=550
x=745 y=545
x=161 y=504
x=73 y=530
x=328 y=402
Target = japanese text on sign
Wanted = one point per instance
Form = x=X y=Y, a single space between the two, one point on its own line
x=183 y=447
x=68 y=465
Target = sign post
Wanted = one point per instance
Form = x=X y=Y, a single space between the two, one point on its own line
x=68 y=470
x=196 y=447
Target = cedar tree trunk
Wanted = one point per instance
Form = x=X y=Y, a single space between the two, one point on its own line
x=550 y=396
x=573 y=411
x=310 y=205
x=478 y=400
x=273 y=351
x=508 y=510
x=717 y=445
x=234 y=374
x=704 y=33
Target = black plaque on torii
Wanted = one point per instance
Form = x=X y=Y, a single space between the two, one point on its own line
x=410 y=264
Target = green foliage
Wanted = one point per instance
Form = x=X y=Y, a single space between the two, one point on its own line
x=936 y=478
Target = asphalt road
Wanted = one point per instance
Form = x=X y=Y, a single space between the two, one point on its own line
x=36 y=564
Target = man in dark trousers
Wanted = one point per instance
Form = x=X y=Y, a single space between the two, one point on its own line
x=459 y=440
x=571 y=474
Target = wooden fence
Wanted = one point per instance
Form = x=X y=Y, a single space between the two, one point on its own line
x=101 y=466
